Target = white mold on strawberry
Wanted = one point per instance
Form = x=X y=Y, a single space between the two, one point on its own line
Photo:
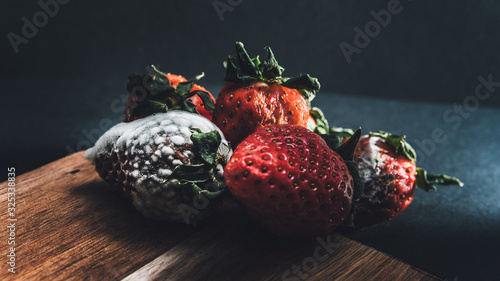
x=165 y=164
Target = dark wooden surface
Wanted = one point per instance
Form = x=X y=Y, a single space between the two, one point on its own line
x=71 y=226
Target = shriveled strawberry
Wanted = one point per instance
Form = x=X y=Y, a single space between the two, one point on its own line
x=256 y=95
x=387 y=167
x=291 y=182
x=161 y=92
x=164 y=163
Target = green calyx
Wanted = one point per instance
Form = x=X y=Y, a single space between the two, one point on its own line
x=199 y=181
x=427 y=181
x=346 y=151
x=398 y=143
x=243 y=68
x=342 y=132
x=320 y=125
x=155 y=94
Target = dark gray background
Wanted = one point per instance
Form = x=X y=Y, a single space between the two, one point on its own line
x=66 y=86
x=76 y=64
x=431 y=50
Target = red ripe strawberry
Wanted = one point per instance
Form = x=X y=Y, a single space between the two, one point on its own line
x=161 y=92
x=291 y=182
x=387 y=168
x=256 y=95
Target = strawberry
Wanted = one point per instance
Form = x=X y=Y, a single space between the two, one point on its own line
x=387 y=168
x=256 y=95
x=291 y=182
x=164 y=163
x=161 y=92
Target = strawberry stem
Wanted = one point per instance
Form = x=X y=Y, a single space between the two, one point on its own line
x=245 y=69
x=427 y=181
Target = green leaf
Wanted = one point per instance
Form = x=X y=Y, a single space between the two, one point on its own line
x=333 y=141
x=200 y=178
x=148 y=107
x=231 y=69
x=346 y=151
x=207 y=145
x=242 y=68
x=199 y=189
x=161 y=96
x=307 y=85
x=158 y=73
x=256 y=62
x=343 y=132
x=398 y=143
x=234 y=73
x=336 y=135
x=441 y=179
x=158 y=87
x=208 y=102
x=304 y=81
x=188 y=106
x=211 y=194
x=321 y=122
x=245 y=63
x=270 y=68
x=191 y=173
x=184 y=88
x=426 y=181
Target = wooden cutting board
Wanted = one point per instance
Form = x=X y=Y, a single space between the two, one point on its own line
x=71 y=226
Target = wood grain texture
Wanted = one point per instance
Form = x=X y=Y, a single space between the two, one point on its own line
x=71 y=226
